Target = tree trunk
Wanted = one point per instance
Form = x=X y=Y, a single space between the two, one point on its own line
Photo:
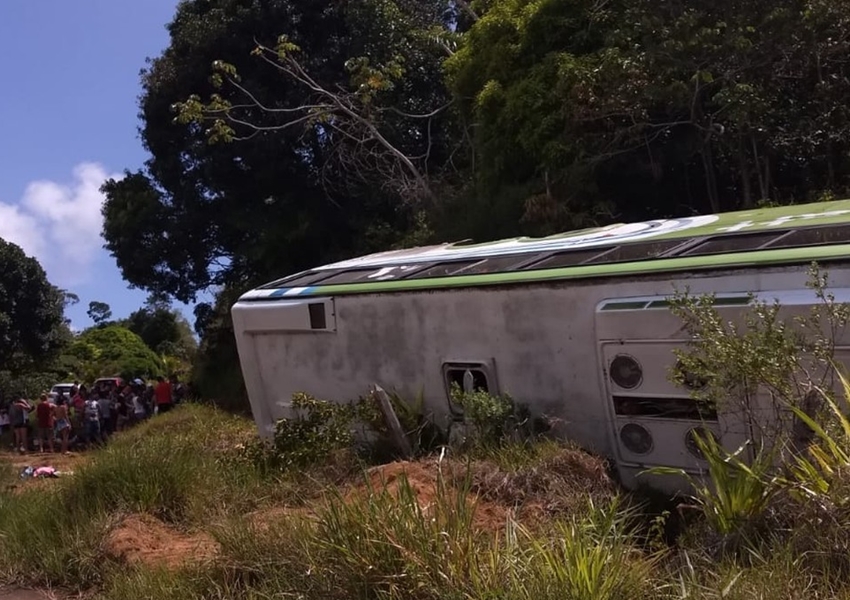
x=746 y=185
x=710 y=179
x=757 y=162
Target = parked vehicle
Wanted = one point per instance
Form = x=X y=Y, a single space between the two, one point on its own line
x=577 y=325
x=109 y=383
x=64 y=388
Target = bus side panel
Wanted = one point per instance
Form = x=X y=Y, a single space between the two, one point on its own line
x=538 y=342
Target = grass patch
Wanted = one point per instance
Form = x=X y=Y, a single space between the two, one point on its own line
x=524 y=521
x=44 y=542
x=182 y=467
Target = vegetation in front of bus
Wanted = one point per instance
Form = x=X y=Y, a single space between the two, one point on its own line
x=191 y=505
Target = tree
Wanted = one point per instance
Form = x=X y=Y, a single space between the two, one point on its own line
x=162 y=328
x=99 y=312
x=114 y=351
x=651 y=109
x=203 y=215
x=31 y=312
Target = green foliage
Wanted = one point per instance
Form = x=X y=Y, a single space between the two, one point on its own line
x=492 y=419
x=386 y=543
x=55 y=534
x=171 y=479
x=736 y=497
x=591 y=557
x=29 y=384
x=99 y=312
x=46 y=542
x=789 y=361
x=816 y=470
x=728 y=362
x=163 y=329
x=317 y=431
x=349 y=533
x=591 y=102
x=114 y=350
x=422 y=432
x=31 y=312
x=216 y=371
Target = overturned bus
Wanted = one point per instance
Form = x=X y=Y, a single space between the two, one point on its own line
x=576 y=326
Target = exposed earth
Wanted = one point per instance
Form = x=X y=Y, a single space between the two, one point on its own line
x=528 y=496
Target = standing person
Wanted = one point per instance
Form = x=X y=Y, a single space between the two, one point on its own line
x=61 y=422
x=44 y=420
x=19 y=415
x=92 y=419
x=163 y=395
x=105 y=404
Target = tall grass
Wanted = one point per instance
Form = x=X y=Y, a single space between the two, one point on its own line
x=43 y=541
x=176 y=467
x=594 y=556
x=736 y=495
x=172 y=467
x=406 y=541
x=387 y=544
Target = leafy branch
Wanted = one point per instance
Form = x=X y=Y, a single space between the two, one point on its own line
x=352 y=122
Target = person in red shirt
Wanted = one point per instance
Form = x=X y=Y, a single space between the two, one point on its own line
x=44 y=418
x=162 y=394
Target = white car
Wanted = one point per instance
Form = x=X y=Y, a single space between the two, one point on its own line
x=60 y=387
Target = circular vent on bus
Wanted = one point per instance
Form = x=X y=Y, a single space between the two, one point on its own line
x=691 y=442
x=626 y=372
x=636 y=438
x=690 y=380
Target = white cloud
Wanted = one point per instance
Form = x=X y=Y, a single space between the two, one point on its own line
x=60 y=223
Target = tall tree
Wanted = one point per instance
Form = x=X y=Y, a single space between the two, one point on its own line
x=99 y=312
x=648 y=108
x=162 y=328
x=202 y=215
x=31 y=312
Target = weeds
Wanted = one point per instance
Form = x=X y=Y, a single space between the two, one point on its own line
x=43 y=541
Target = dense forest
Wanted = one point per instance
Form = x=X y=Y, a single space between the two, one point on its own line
x=283 y=134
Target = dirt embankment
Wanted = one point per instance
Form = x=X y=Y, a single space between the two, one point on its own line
x=144 y=539
x=555 y=485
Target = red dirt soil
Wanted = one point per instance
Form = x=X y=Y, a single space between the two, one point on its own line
x=423 y=480
x=143 y=539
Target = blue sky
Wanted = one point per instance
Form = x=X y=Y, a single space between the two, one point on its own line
x=69 y=79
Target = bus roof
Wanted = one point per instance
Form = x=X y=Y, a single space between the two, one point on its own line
x=760 y=237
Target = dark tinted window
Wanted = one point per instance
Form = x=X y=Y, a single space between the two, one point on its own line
x=442 y=269
x=299 y=281
x=664 y=408
x=639 y=251
x=814 y=236
x=350 y=276
x=743 y=242
x=497 y=264
x=567 y=258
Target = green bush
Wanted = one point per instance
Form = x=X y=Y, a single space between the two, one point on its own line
x=115 y=350
x=317 y=431
x=491 y=420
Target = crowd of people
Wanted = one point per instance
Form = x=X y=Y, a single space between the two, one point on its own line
x=86 y=417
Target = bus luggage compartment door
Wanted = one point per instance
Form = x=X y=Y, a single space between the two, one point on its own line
x=654 y=422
